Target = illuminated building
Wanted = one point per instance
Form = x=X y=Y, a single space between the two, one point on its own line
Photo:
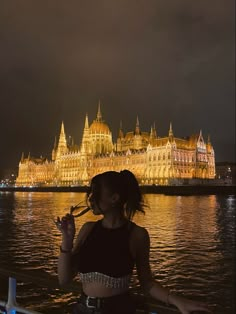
x=153 y=159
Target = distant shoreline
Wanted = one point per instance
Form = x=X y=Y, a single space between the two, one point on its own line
x=148 y=189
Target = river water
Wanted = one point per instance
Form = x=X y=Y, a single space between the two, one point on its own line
x=192 y=246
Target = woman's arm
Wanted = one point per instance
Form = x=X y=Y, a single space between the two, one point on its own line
x=150 y=285
x=66 y=263
x=146 y=279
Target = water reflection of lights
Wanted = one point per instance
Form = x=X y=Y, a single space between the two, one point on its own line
x=192 y=239
x=231 y=200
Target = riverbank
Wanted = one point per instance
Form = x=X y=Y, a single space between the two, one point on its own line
x=148 y=189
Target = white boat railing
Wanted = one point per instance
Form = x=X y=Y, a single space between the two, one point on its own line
x=11 y=306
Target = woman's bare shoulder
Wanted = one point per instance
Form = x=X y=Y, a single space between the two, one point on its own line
x=139 y=240
x=139 y=232
x=86 y=227
x=83 y=233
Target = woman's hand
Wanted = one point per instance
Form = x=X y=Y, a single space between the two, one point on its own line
x=66 y=225
x=187 y=306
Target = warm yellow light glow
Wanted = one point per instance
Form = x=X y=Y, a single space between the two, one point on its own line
x=154 y=160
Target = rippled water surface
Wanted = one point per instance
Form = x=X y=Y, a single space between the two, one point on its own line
x=192 y=246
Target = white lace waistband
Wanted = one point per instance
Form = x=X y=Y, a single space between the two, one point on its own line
x=107 y=281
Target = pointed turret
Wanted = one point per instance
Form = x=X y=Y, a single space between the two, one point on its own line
x=137 y=128
x=22 y=157
x=86 y=123
x=62 y=138
x=154 y=130
x=171 y=131
x=208 y=145
x=200 y=138
x=62 y=128
x=209 y=140
x=85 y=138
x=120 y=133
x=99 y=114
x=151 y=133
x=62 y=144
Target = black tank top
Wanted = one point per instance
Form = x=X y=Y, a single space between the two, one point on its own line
x=107 y=251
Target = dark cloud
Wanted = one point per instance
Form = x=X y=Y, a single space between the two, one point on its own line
x=160 y=60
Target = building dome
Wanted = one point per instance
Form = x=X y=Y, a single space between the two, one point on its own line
x=99 y=127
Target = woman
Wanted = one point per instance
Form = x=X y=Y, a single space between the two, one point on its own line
x=106 y=251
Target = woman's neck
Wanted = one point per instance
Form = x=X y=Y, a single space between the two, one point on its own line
x=112 y=222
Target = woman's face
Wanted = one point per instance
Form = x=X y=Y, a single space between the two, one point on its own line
x=101 y=198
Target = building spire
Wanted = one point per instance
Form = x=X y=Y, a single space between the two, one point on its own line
x=151 y=132
x=99 y=114
x=154 y=130
x=208 y=139
x=170 y=130
x=85 y=139
x=120 y=133
x=86 y=124
x=62 y=144
x=22 y=157
x=137 y=128
x=62 y=129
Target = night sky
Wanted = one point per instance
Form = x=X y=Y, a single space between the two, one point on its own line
x=163 y=61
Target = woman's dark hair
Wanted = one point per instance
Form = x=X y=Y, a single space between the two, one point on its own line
x=126 y=185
